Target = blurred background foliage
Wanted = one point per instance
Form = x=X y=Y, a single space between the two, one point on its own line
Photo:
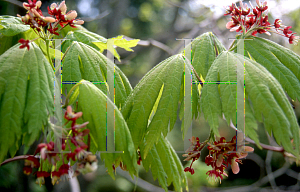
x=164 y=21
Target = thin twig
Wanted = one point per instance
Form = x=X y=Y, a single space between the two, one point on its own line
x=146 y=186
x=154 y=43
x=100 y=16
x=17 y=3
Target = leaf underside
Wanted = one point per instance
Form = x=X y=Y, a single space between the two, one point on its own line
x=262 y=89
x=26 y=96
x=90 y=95
x=281 y=62
x=148 y=111
x=85 y=62
x=165 y=165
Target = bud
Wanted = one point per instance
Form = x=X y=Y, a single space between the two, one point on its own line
x=235 y=166
x=49 y=19
x=62 y=6
x=53 y=6
x=38 y=4
x=78 y=22
x=220 y=160
x=71 y=15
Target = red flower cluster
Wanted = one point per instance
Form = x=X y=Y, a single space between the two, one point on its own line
x=59 y=12
x=193 y=152
x=256 y=21
x=222 y=154
x=34 y=16
x=38 y=21
x=86 y=161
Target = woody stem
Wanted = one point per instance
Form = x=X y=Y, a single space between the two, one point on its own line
x=16 y=158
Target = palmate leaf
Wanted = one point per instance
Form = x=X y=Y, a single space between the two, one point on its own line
x=262 y=89
x=26 y=88
x=281 y=62
x=92 y=102
x=165 y=165
x=152 y=106
x=10 y=26
x=205 y=48
x=84 y=62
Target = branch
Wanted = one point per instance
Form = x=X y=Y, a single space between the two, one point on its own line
x=100 y=16
x=154 y=43
x=17 y=3
x=17 y=158
x=264 y=146
x=146 y=186
x=258 y=183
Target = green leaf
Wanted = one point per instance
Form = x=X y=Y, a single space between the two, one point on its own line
x=84 y=62
x=7 y=42
x=67 y=29
x=26 y=88
x=205 y=49
x=92 y=102
x=85 y=37
x=263 y=90
x=165 y=165
x=11 y=26
x=143 y=116
x=281 y=62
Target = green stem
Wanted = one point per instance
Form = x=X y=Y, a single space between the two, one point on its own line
x=48 y=54
x=69 y=95
x=65 y=53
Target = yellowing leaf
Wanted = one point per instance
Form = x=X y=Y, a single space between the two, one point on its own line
x=118 y=42
x=125 y=44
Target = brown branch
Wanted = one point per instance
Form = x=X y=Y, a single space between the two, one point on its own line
x=146 y=186
x=264 y=146
x=100 y=16
x=17 y=3
x=152 y=42
x=17 y=158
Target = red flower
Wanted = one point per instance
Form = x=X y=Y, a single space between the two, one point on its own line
x=71 y=156
x=293 y=39
x=64 y=171
x=27 y=170
x=32 y=162
x=53 y=30
x=25 y=43
x=277 y=23
x=55 y=176
x=32 y=4
x=41 y=177
x=286 y=31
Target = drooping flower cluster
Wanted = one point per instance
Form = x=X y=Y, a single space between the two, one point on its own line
x=37 y=21
x=193 y=152
x=221 y=154
x=59 y=160
x=251 y=22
